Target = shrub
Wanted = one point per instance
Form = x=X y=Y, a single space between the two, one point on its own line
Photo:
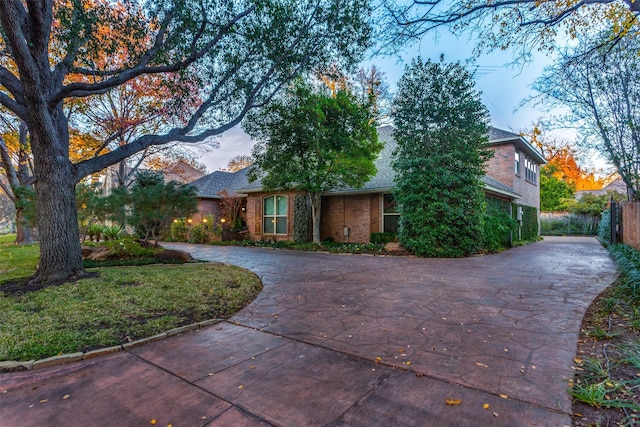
x=498 y=229
x=383 y=238
x=94 y=231
x=113 y=233
x=604 y=227
x=199 y=234
x=127 y=247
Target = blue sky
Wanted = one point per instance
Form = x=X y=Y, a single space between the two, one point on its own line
x=503 y=88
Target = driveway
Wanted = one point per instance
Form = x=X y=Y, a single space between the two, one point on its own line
x=349 y=340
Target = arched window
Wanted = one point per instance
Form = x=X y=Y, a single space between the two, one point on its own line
x=274 y=215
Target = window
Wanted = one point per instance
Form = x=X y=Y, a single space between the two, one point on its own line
x=517 y=163
x=530 y=170
x=390 y=215
x=274 y=215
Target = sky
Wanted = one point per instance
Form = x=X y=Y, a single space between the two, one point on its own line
x=503 y=88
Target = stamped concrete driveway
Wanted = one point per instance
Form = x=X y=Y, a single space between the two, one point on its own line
x=350 y=340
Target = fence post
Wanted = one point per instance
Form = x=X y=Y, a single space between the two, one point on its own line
x=613 y=217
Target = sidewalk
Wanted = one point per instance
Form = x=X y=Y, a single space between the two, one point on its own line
x=349 y=340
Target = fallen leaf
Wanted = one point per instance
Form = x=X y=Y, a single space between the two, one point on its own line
x=485 y=406
x=495 y=414
x=450 y=401
x=407 y=363
x=482 y=364
x=577 y=360
x=44 y=400
x=240 y=387
x=378 y=359
x=66 y=396
x=153 y=422
x=504 y=396
x=204 y=417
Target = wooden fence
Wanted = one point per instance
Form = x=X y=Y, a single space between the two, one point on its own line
x=631 y=224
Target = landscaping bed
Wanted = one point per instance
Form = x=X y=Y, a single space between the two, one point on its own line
x=606 y=388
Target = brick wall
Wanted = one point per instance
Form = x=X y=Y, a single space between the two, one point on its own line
x=501 y=165
x=502 y=168
x=347 y=211
x=206 y=207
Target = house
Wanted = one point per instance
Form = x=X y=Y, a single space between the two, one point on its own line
x=352 y=214
x=616 y=186
x=179 y=172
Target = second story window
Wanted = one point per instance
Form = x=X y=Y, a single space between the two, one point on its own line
x=517 y=163
x=530 y=170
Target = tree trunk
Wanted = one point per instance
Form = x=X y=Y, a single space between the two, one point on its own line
x=316 y=198
x=60 y=252
x=24 y=232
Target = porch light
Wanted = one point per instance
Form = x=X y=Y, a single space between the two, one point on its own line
x=175 y=220
x=189 y=220
x=204 y=220
x=222 y=220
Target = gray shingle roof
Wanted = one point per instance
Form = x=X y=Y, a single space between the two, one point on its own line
x=211 y=185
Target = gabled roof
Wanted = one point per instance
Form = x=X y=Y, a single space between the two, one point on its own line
x=500 y=136
x=211 y=185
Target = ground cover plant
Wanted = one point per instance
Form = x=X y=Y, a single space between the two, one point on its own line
x=325 y=246
x=606 y=389
x=115 y=306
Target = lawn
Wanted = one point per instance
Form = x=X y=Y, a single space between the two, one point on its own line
x=121 y=304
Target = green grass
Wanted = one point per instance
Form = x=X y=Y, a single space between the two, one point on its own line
x=120 y=305
x=16 y=260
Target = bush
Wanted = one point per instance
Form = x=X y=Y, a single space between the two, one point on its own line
x=628 y=260
x=113 y=233
x=604 y=227
x=383 y=238
x=498 y=229
x=128 y=247
x=94 y=231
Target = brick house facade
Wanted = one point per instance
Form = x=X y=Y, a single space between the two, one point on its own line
x=351 y=215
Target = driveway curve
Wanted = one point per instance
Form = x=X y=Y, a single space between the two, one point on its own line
x=355 y=340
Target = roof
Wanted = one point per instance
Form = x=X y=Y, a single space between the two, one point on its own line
x=500 y=136
x=211 y=185
x=182 y=173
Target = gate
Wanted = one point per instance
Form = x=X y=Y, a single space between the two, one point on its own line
x=615 y=222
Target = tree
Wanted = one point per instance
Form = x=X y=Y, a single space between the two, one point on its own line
x=238 y=162
x=500 y=24
x=554 y=192
x=602 y=93
x=313 y=141
x=19 y=183
x=562 y=161
x=238 y=54
x=442 y=135
x=155 y=204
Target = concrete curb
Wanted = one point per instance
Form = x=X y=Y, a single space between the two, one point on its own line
x=14 y=366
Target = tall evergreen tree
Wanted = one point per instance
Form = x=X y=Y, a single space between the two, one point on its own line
x=442 y=135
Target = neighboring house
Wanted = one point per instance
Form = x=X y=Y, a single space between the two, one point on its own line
x=616 y=186
x=350 y=214
x=179 y=172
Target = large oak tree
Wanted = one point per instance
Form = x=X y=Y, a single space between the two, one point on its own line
x=239 y=54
